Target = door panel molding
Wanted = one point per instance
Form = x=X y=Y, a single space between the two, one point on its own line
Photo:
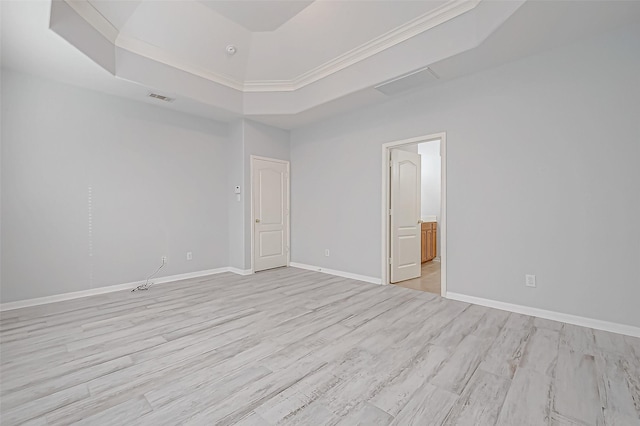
x=256 y=246
x=405 y=218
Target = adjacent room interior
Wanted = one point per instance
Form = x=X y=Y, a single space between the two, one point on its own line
x=422 y=201
x=319 y=212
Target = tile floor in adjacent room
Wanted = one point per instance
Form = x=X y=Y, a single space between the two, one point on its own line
x=429 y=279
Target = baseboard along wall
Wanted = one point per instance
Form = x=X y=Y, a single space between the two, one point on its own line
x=625 y=329
x=109 y=289
x=613 y=327
x=343 y=274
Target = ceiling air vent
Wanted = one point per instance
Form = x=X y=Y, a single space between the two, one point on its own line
x=161 y=97
x=412 y=80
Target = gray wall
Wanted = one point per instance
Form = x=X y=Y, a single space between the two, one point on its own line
x=158 y=187
x=431 y=183
x=543 y=178
x=263 y=141
x=248 y=138
x=235 y=167
x=430 y=178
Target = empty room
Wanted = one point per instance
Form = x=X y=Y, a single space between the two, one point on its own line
x=320 y=212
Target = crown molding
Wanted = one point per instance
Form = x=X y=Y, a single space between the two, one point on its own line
x=440 y=15
x=157 y=54
x=417 y=26
x=94 y=18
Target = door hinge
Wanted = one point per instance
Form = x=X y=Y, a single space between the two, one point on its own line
x=389 y=212
x=390 y=163
x=390 y=263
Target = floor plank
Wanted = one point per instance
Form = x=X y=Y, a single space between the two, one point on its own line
x=535 y=389
x=481 y=400
x=296 y=347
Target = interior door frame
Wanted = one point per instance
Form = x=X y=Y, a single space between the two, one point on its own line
x=386 y=204
x=288 y=207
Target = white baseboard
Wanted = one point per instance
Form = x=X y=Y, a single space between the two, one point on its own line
x=343 y=274
x=107 y=289
x=613 y=327
x=164 y=280
x=240 y=271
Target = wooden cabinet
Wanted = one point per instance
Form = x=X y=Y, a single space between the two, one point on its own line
x=429 y=236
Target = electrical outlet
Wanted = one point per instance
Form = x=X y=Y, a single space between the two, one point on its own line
x=326 y=252
x=164 y=260
x=189 y=255
x=530 y=280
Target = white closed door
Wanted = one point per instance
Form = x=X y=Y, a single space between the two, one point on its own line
x=405 y=215
x=270 y=187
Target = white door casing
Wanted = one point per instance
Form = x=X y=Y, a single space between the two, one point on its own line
x=405 y=215
x=270 y=192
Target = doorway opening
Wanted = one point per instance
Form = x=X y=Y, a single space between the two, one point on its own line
x=270 y=221
x=414 y=213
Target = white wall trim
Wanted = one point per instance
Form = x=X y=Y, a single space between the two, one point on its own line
x=110 y=289
x=343 y=274
x=239 y=271
x=8 y=306
x=162 y=56
x=404 y=32
x=139 y=47
x=613 y=327
x=418 y=25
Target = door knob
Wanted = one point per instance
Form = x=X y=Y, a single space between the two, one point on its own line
x=257 y=220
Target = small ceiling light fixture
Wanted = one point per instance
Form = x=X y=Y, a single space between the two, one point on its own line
x=231 y=50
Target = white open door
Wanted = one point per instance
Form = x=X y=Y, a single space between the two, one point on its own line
x=405 y=215
x=270 y=189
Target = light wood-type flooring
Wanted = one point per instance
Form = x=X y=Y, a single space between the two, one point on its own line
x=429 y=279
x=296 y=347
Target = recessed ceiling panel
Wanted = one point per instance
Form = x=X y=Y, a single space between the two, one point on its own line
x=410 y=81
x=116 y=12
x=258 y=16
x=325 y=31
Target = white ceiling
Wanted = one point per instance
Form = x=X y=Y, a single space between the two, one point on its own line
x=258 y=16
x=177 y=48
x=116 y=12
x=318 y=55
x=275 y=40
x=27 y=45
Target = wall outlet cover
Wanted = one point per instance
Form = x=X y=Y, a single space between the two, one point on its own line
x=530 y=280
